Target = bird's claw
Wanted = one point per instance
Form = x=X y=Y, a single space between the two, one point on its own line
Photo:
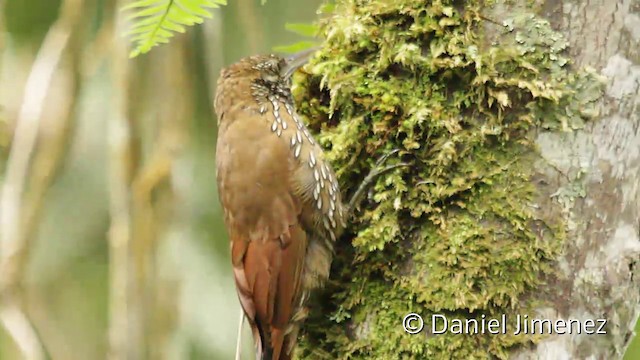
x=386 y=156
x=372 y=176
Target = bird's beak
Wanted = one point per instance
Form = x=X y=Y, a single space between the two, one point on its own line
x=295 y=61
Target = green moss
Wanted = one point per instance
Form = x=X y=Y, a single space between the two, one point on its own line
x=454 y=232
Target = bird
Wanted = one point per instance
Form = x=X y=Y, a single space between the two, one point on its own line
x=280 y=197
x=281 y=201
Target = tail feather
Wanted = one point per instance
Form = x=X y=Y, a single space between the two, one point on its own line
x=277 y=340
x=261 y=342
x=278 y=346
x=268 y=276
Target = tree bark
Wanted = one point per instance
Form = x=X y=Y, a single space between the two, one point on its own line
x=597 y=276
x=585 y=177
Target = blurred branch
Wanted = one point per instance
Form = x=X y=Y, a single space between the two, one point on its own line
x=252 y=24
x=16 y=241
x=213 y=53
x=99 y=49
x=123 y=161
x=52 y=150
x=3 y=4
x=154 y=191
x=141 y=197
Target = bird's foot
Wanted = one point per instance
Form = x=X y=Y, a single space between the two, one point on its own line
x=377 y=171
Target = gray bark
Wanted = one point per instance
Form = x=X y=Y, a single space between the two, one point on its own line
x=594 y=174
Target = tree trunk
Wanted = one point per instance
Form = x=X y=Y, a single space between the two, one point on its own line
x=522 y=198
x=597 y=277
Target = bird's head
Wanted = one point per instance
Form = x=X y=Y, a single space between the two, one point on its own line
x=262 y=75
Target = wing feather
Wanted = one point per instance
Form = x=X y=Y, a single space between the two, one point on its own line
x=268 y=243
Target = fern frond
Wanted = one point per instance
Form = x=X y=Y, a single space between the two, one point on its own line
x=156 y=21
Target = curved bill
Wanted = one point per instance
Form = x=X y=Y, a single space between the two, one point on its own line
x=295 y=61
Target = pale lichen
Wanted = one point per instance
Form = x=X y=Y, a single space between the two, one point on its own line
x=454 y=232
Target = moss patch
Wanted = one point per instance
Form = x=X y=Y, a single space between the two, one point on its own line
x=453 y=233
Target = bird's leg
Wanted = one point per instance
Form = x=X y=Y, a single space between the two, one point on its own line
x=375 y=172
x=239 y=341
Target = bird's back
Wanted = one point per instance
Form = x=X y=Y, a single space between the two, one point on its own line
x=281 y=203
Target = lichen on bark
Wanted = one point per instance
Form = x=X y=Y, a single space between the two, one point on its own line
x=456 y=233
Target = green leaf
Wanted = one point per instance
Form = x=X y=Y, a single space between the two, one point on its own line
x=156 y=21
x=306 y=30
x=309 y=30
x=294 y=48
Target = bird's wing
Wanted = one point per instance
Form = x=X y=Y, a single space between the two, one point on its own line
x=268 y=243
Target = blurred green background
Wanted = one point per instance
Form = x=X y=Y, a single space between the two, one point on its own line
x=67 y=277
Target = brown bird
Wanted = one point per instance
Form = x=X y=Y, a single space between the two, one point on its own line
x=282 y=204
